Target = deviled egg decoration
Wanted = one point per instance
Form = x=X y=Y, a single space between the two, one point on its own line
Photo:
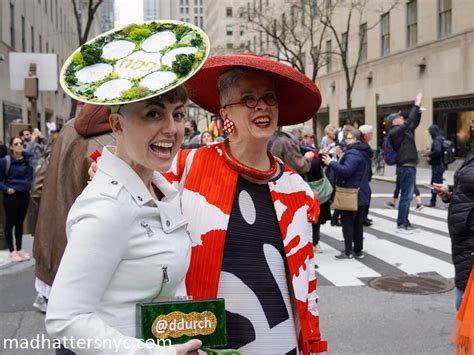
x=135 y=62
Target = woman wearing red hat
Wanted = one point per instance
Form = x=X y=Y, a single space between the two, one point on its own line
x=256 y=251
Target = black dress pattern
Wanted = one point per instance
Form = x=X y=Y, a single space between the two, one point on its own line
x=253 y=278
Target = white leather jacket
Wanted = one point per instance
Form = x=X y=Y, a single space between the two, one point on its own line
x=123 y=248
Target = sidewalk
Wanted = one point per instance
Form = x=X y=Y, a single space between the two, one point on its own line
x=6 y=266
x=423 y=175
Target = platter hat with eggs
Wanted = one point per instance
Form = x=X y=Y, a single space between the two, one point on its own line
x=135 y=62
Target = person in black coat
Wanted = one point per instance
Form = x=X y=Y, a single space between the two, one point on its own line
x=434 y=156
x=402 y=136
x=460 y=221
x=353 y=171
x=16 y=175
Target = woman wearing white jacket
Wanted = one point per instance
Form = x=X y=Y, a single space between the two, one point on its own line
x=127 y=240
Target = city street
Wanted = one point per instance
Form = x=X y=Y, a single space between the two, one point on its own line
x=355 y=318
x=135 y=81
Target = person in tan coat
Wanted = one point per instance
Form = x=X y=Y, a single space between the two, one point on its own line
x=59 y=181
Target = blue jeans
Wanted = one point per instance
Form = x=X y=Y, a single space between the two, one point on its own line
x=407 y=177
x=437 y=172
x=458 y=294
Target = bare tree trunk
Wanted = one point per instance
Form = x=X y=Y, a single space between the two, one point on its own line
x=82 y=36
x=349 y=107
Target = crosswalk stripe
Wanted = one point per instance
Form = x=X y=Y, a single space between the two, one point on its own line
x=390 y=195
x=442 y=214
x=415 y=219
x=423 y=237
x=405 y=259
x=341 y=272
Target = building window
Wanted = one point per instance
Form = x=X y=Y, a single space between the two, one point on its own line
x=181 y=10
x=242 y=45
x=201 y=22
x=327 y=4
x=344 y=45
x=412 y=30
x=187 y=2
x=242 y=30
x=47 y=47
x=444 y=18
x=181 y=2
x=23 y=34
x=385 y=34
x=46 y=6
x=40 y=43
x=229 y=30
x=187 y=11
x=12 y=25
x=57 y=21
x=261 y=39
x=363 y=42
x=51 y=9
x=228 y=11
x=229 y=45
x=255 y=44
x=328 y=56
x=32 y=39
x=196 y=21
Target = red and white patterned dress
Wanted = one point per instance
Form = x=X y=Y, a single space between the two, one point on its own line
x=208 y=186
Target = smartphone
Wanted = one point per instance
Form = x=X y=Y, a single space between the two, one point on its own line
x=428 y=186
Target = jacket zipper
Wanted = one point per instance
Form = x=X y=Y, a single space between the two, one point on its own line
x=165 y=274
x=148 y=229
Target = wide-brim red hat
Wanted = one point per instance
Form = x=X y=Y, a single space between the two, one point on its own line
x=298 y=96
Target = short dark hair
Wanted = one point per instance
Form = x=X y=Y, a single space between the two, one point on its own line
x=22 y=132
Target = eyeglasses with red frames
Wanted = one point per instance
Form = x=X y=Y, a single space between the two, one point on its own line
x=251 y=101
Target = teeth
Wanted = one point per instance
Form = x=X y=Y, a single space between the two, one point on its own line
x=163 y=145
x=262 y=120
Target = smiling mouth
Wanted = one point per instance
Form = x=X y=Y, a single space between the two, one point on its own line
x=262 y=122
x=162 y=149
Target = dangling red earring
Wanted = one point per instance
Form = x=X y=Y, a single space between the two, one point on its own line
x=229 y=126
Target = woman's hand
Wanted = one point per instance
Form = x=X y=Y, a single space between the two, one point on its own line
x=327 y=160
x=192 y=345
x=10 y=191
x=338 y=151
x=443 y=191
x=92 y=170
